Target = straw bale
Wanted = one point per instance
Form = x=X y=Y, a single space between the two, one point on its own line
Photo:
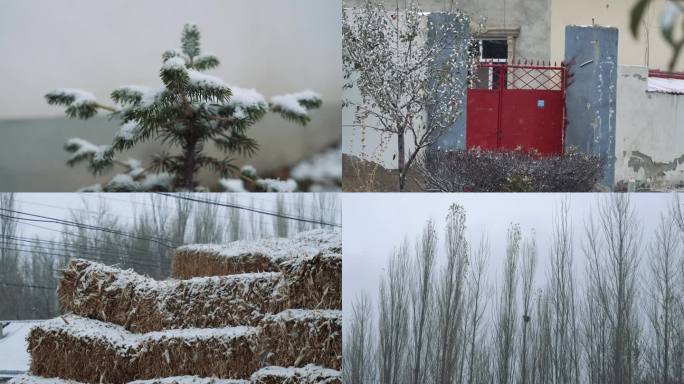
x=310 y=374
x=297 y=337
x=76 y=348
x=263 y=255
x=142 y=304
x=30 y=379
x=311 y=282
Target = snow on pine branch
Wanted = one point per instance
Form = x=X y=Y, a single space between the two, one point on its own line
x=296 y=106
x=80 y=104
x=205 y=61
x=130 y=94
x=99 y=155
x=129 y=131
x=203 y=80
x=173 y=64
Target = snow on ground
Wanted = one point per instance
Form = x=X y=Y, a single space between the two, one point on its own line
x=14 y=359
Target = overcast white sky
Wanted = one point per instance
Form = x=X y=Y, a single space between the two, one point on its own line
x=275 y=46
x=374 y=224
x=123 y=205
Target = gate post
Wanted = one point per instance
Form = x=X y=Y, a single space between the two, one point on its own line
x=591 y=53
x=454 y=137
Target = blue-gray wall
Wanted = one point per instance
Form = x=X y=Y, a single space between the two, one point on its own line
x=591 y=97
x=455 y=137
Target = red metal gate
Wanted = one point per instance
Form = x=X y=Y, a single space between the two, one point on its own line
x=517 y=106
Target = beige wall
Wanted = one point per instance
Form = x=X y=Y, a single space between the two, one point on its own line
x=615 y=13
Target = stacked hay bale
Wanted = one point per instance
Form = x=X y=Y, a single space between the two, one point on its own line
x=273 y=315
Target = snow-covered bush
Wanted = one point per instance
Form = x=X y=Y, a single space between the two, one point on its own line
x=190 y=110
x=509 y=171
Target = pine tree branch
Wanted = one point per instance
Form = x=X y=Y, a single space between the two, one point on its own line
x=105 y=107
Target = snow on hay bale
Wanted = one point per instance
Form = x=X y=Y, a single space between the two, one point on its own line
x=76 y=348
x=309 y=374
x=297 y=337
x=262 y=255
x=142 y=304
x=30 y=379
x=313 y=282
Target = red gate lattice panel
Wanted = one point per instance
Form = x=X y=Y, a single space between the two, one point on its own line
x=513 y=106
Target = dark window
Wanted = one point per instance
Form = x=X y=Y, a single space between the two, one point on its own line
x=495 y=49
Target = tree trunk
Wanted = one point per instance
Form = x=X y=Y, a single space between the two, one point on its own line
x=187 y=180
x=402 y=161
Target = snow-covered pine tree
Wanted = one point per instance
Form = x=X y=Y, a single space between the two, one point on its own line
x=190 y=109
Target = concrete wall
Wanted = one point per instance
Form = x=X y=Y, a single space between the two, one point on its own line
x=650 y=132
x=533 y=17
x=650 y=49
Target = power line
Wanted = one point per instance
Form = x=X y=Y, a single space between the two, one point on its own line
x=97 y=259
x=243 y=220
x=86 y=253
x=27 y=286
x=251 y=196
x=47 y=219
x=260 y=211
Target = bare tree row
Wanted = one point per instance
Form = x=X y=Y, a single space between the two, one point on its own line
x=439 y=320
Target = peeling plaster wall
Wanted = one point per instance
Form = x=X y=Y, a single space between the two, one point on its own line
x=650 y=136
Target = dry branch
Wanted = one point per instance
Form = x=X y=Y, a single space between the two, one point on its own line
x=142 y=304
x=309 y=374
x=81 y=349
x=297 y=337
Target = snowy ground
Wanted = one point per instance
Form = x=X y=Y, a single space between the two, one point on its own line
x=14 y=359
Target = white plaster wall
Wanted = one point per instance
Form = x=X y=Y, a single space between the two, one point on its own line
x=652 y=124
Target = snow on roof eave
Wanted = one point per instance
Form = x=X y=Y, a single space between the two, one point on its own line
x=665 y=85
